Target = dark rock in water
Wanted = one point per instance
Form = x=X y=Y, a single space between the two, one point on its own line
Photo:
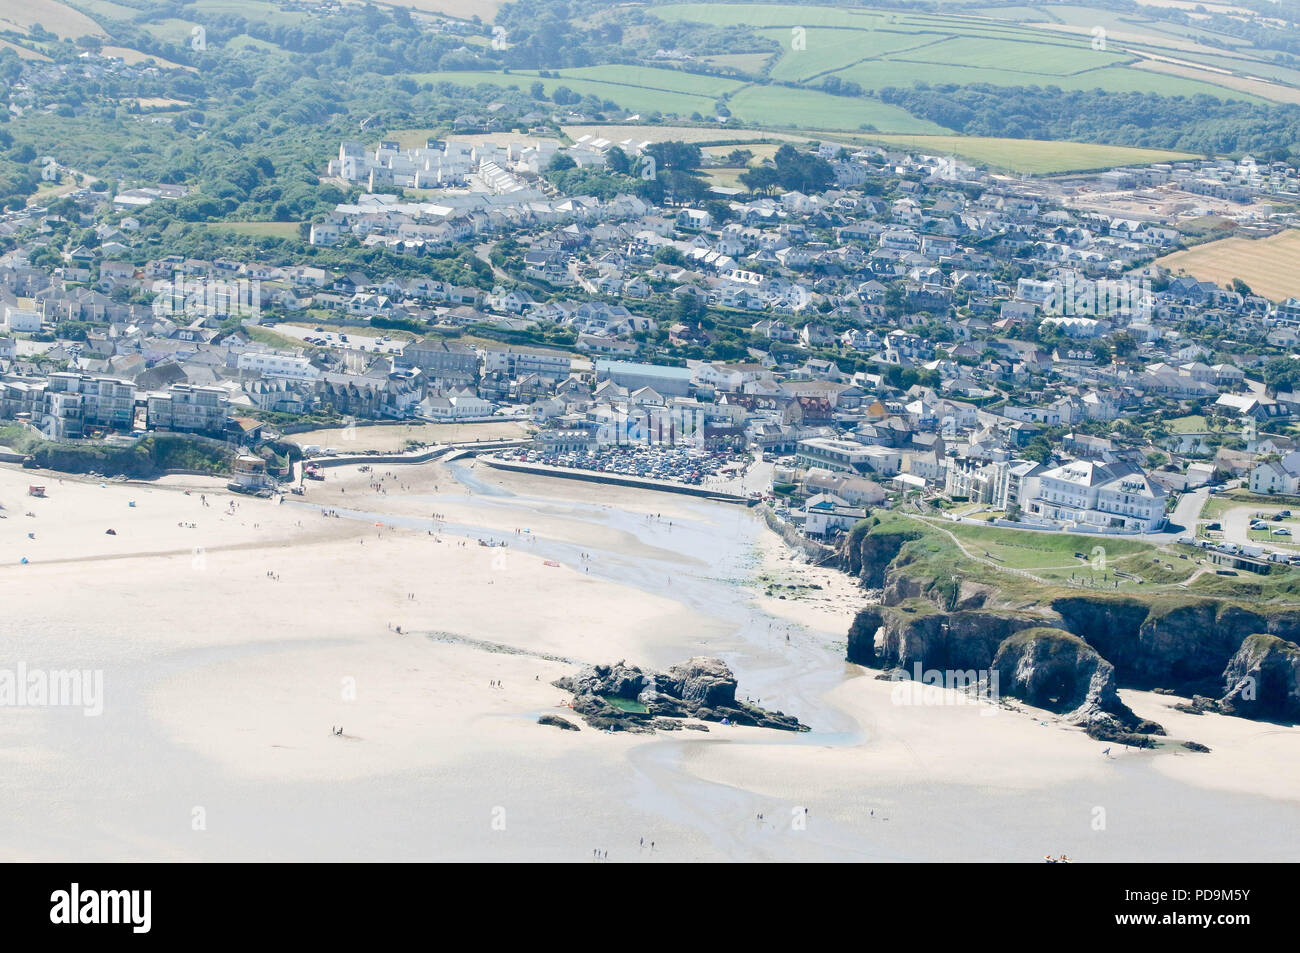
x=703 y=688
x=1263 y=680
x=558 y=722
x=701 y=681
x=620 y=681
x=1058 y=671
x=1105 y=731
x=1195 y=746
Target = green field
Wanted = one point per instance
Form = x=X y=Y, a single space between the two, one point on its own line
x=672 y=80
x=258 y=229
x=641 y=99
x=1025 y=45
x=877 y=49
x=258 y=10
x=829 y=49
x=782 y=106
x=667 y=90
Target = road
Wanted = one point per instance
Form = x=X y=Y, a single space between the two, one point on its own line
x=484 y=253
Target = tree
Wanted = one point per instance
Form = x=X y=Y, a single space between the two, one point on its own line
x=1281 y=374
x=762 y=178
x=1038 y=450
x=616 y=160
x=802 y=171
x=683 y=156
x=670 y=255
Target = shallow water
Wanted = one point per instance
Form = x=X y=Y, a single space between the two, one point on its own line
x=118 y=788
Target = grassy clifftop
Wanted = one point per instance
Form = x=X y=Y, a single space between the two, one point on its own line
x=147 y=458
x=1018 y=568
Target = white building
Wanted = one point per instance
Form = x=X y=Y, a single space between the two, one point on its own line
x=1086 y=493
x=20 y=319
x=1277 y=476
x=278 y=364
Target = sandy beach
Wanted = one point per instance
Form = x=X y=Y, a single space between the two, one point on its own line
x=234 y=634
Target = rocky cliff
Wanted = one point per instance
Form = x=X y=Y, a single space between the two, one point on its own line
x=1263 y=679
x=1204 y=646
x=1053 y=669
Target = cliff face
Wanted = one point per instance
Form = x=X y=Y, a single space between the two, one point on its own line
x=1184 y=646
x=1243 y=655
x=869 y=555
x=1053 y=669
x=951 y=640
x=1263 y=679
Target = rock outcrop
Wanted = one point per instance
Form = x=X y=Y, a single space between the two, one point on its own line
x=622 y=697
x=557 y=722
x=1263 y=679
x=869 y=555
x=1053 y=669
x=911 y=636
x=1173 y=643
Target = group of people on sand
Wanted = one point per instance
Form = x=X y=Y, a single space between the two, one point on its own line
x=336 y=731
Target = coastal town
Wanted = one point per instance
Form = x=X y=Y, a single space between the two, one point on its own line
x=910 y=328
x=517 y=431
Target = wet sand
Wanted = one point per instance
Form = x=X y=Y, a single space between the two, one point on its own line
x=222 y=684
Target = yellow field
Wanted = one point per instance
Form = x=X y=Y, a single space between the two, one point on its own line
x=1268 y=265
x=678 y=133
x=1243 y=84
x=22 y=51
x=1032 y=156
x=130 y=57
x=158 y=103
x=61 y=20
